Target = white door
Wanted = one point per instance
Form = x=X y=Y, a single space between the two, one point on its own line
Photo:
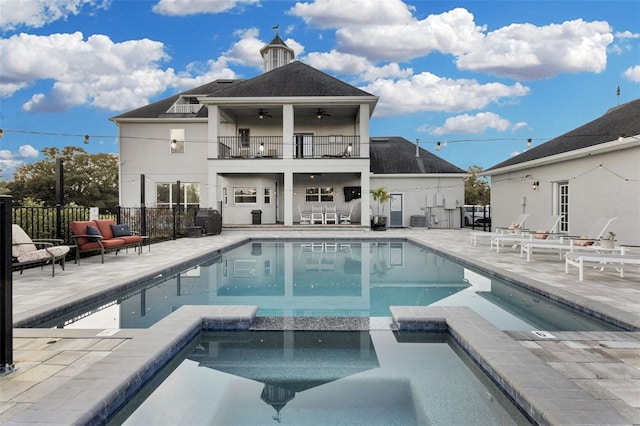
x=395 y=211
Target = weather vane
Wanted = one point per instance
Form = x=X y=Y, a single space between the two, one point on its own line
x=618 y=94
x=276 y=28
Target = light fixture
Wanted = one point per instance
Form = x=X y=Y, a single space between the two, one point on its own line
x=86 y=139
x=349 y=147
x=528 y=142
x=174 y=143
x=1 y=133
x=321 y=113
x=438 y=144
x=262 y=114
x=261 y=146
x=535 y=185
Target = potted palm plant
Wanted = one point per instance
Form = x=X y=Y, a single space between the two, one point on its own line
x=381 y=197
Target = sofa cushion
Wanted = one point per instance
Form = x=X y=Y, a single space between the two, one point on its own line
x=584 y=242
x=120 y=230
x=79 y=227
x=131 y=239
x=541 y=235
x=104 y=225
x=92 y=230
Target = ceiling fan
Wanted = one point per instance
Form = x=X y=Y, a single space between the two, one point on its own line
x=262 y=114
x=322 y=113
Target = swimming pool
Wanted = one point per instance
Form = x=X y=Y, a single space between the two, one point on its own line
x=321 y=378
x=343 y=278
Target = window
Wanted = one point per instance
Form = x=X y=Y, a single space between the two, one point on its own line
x=245 y=195
x=167 y=194
x=176 y=137
x=225 y=196
x=319 y=194
x=267 y=195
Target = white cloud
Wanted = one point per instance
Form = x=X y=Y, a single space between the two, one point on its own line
x=193 y=7
x=527 y=52
x=519 y=51
x=9 y=161
x=344 y=63
x=453 y=32
x=472 y=124
x=627 y=34
x=429 y=92
x=37 y=13
x=339 y=13
x=94 y=71
x=633 y=73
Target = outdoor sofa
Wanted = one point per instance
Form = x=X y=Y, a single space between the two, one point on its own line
x=103 y=235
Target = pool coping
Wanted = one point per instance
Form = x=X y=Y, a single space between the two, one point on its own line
x=96 y=394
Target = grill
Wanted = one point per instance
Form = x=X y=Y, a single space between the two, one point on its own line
x=210 y=221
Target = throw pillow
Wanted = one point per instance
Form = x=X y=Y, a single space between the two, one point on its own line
x=120 y=230
x=584 y=242
x=541 y=235
x=92 y=230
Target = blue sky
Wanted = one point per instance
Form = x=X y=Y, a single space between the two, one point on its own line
x=481 y=77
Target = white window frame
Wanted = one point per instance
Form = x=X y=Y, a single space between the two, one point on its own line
x=239 y=197
x=322 y=194
x=176 y=141
x=267 y=195
x=184 y=190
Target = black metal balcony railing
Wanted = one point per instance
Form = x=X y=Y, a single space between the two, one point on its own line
x=303 y=147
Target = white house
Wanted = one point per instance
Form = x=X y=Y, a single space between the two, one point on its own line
x=588 y=173
x=280 y=142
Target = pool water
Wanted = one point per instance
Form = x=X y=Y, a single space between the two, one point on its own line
x=322 y=378
x=331 y=278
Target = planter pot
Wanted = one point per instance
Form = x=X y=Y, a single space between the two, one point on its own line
x=608 y=244
x=379 y=223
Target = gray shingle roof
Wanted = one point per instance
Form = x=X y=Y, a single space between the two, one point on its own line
x=621 y=120
x=295 y=79
x=390 y=155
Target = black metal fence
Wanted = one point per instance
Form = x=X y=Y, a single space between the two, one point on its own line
x=160 y=224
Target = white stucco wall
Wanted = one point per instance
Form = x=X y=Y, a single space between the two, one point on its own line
x=419 y=197
x=594 y=192
x=145 y=149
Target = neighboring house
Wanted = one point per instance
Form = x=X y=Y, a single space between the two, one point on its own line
x=588 y=173
x=281 y=142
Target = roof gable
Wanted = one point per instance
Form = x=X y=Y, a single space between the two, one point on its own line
x=396 y=155
x=623 y=120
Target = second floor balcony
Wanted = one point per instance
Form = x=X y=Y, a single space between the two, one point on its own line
x=303 y=146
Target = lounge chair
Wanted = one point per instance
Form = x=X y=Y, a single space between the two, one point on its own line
x=540 y=234
x=515 y=228
x=571 y=244
x=25 y=251
x=305 y=217
x=345 y=218
x=618 y=261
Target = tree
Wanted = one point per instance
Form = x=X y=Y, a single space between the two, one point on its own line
x=476 y=189
x=90 y=180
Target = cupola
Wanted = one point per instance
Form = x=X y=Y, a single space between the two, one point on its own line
x=276 y=54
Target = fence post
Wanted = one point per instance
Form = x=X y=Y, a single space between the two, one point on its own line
x=143 y=206
x=6 y=291
x=59 y=196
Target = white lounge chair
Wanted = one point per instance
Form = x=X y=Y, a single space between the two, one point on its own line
x=305 y=217
x=618 y=261
x=316 y=215
x=515 y=227
x=571 y=244
x=543 y=233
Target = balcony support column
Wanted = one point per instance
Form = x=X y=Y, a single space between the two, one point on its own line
x=364 y=130
x=288 y=198
x=213 y=125
x=287 y=131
